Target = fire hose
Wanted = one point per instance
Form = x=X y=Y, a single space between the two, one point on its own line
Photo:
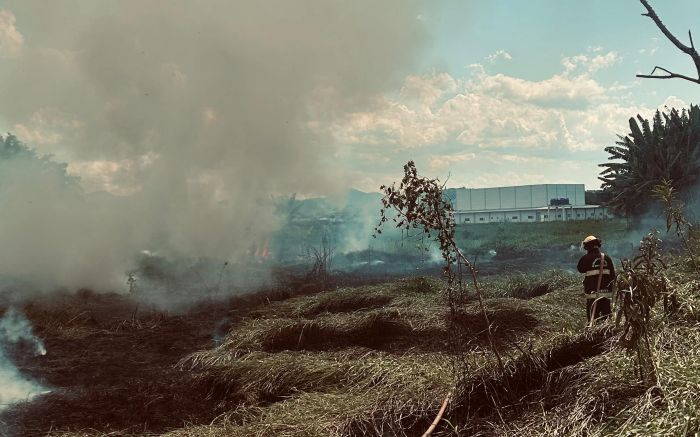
x=443 y=407
x=438 y=418
x=597 y=290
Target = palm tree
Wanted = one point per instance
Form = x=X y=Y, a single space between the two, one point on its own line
x=668 y=148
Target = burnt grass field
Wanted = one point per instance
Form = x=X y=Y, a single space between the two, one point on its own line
x=362 y=355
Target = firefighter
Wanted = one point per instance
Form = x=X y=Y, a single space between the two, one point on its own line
x=598 y=280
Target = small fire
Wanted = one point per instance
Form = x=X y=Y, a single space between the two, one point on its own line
x=262 y=251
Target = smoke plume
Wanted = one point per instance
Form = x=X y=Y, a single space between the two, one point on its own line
x=15 y=329
x=182 y=119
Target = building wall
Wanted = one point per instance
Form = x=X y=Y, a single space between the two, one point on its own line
x=524 y=196
x=507 y=197
x=463 y=199
x=532 y=215
x=523 y=204
x=492 y=198
x=478 y=199
x=539 y=195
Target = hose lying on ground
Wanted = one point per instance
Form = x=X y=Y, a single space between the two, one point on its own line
x=439 y=416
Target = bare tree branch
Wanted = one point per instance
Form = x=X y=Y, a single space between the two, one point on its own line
x=669 y=75
x=690 y=36
x=689 y=50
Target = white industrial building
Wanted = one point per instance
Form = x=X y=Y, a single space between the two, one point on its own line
x=523 y=204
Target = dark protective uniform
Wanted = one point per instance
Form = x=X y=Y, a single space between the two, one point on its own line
x=589 y=264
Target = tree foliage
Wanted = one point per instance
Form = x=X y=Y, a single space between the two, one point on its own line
x=420 y=204
x=21 y=156
x=667 y=148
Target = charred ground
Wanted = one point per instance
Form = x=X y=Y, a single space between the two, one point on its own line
x=368 y=357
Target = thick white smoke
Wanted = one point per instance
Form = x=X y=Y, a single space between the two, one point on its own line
x=185 y=117
x=14 y=387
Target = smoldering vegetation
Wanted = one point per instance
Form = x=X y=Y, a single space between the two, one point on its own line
x=332 y=236
x=181 y=132
x=250 y=312
x=17 y=340
x=369 y=360
x=150 y=141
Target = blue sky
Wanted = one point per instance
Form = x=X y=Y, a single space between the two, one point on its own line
x=493 y=92
x=556 y=78
x=539 y=33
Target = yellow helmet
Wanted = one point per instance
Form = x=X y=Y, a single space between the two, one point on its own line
x=591 y=241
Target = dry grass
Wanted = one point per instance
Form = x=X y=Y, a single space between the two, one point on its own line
x=325 y=393
x=558 y=381
x=380 y=329
x=540 y=392
x=374 y=360
x=365 y=361
x=529 y=285
x=601 y=396
x=673 y=407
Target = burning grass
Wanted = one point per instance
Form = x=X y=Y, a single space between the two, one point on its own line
x=370 y=360
x=110 y=367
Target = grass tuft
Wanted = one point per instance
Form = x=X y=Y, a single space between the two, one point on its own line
x=529 y=285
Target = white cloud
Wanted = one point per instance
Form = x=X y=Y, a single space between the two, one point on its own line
x=580 y=64
x=393 y=123
x=11 y=41
x=441 y=162
x=46 y=128
x=673 y=102
x=508 y=178
x=499 y=54
x=428 y=89
x=557 y=90
x=651 y=48
x=501 y=157
x=569 y=111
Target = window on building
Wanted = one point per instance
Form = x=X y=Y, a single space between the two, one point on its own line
x=466 y=219
x=545 y=216
x=558 y=215
x=578 y=215
x=515 y=217
x=481 y=219
x=529 y=217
